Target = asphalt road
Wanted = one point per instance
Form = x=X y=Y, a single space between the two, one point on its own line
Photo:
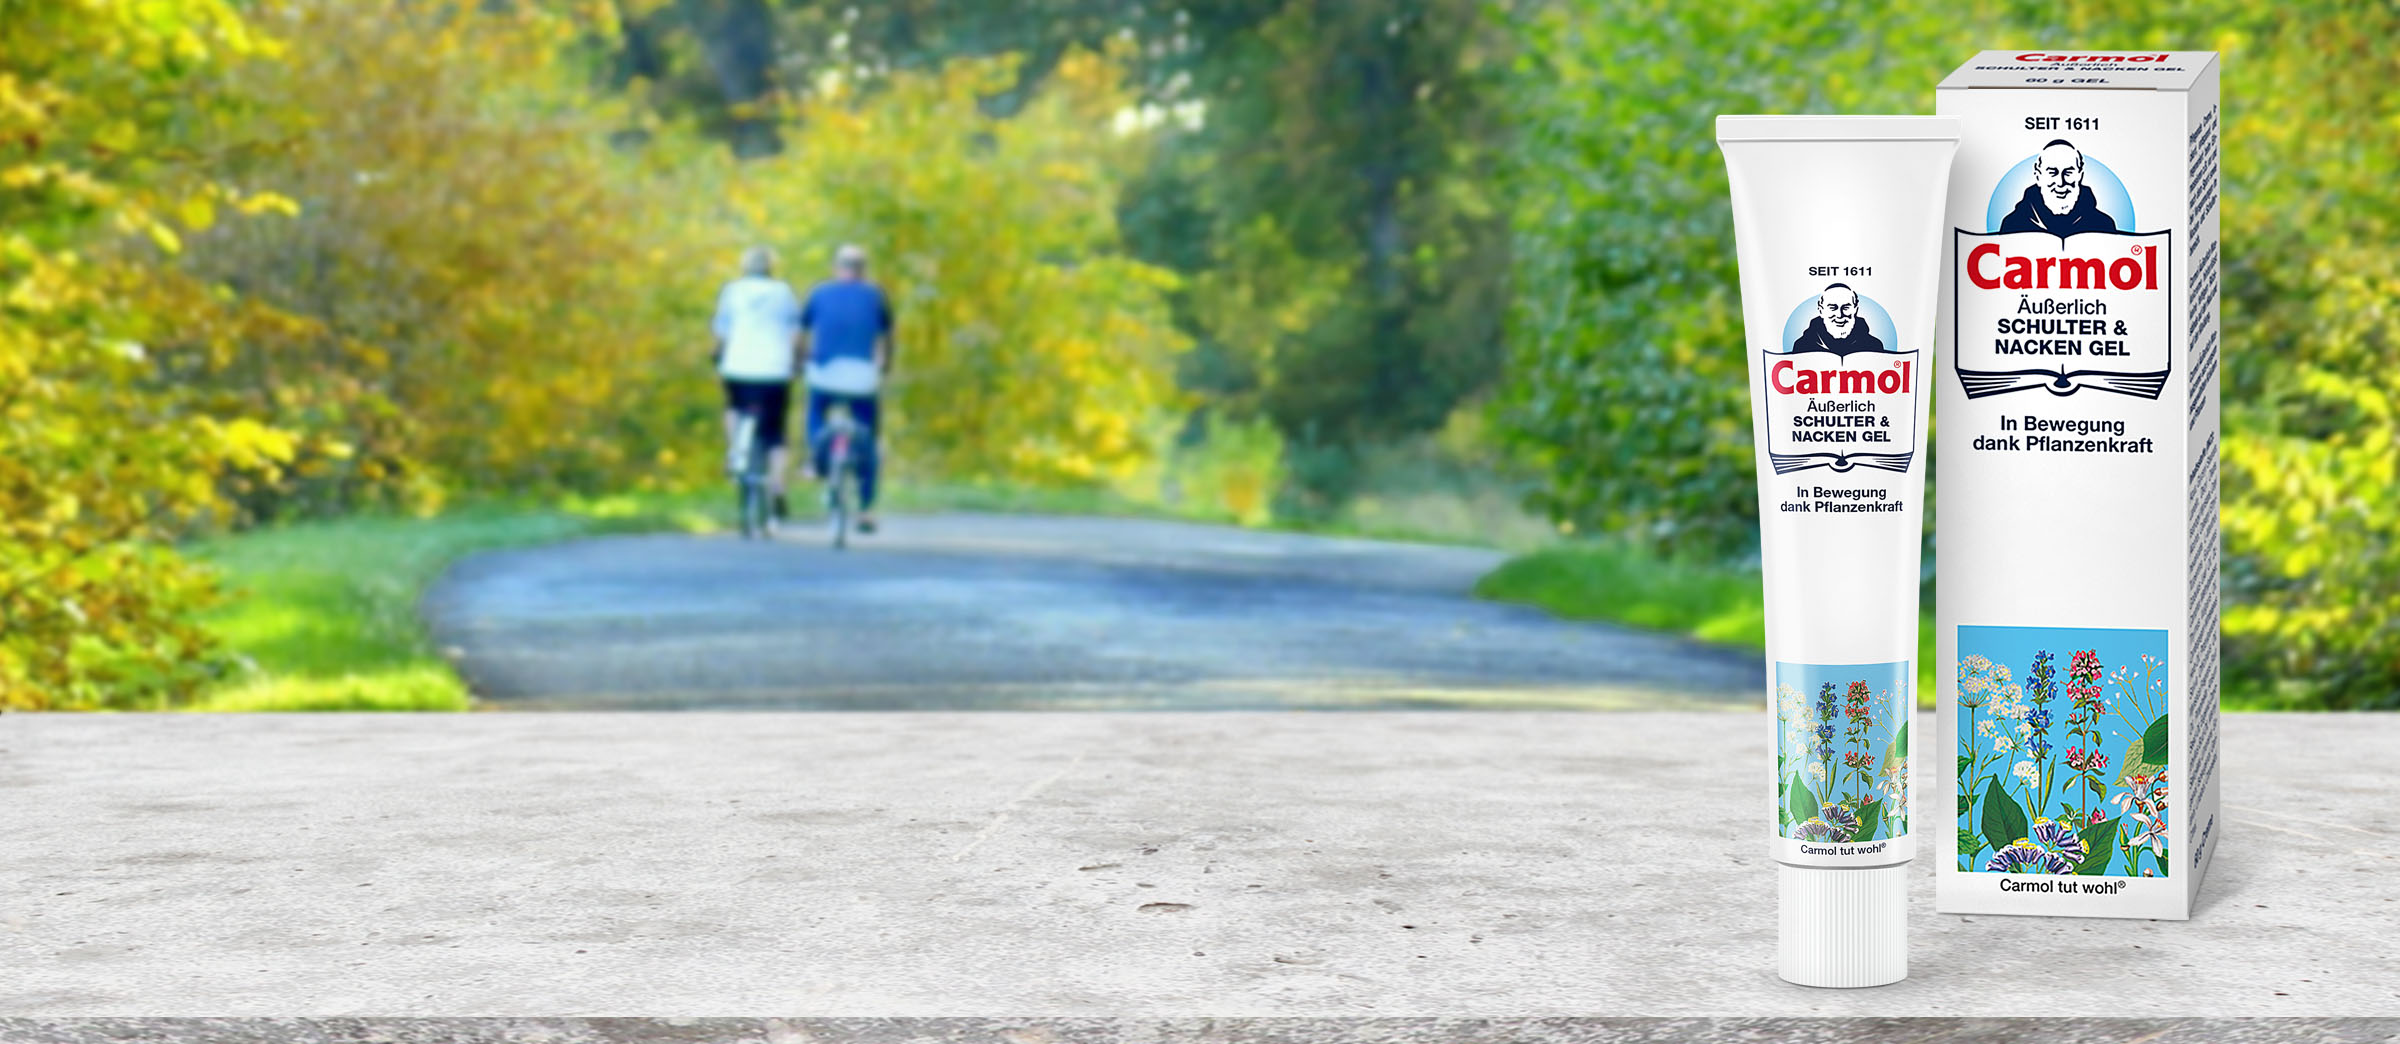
x=993 y=612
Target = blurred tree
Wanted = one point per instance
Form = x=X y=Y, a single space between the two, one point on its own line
x=524 y=295
x=1625 y=385
x=1320 y=182
x=103 y=453
x=2312 y=338
x=1355 y=263
x=1031 y=347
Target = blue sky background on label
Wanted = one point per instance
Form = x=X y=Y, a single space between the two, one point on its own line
x=2117 y=648
x=1879 y=322
x=2107 y=191
x=1898 y=679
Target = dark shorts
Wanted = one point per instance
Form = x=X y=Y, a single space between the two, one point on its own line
x=770 y=400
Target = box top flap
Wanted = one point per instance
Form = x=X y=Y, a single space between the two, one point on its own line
x=2099 y=70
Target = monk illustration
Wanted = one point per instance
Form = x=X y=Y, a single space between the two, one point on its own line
x=1837 y=327
x=2058 y=202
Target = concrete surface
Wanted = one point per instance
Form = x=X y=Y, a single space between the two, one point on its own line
x=1196 y=1031
x=992 y=611
x=1017 y=865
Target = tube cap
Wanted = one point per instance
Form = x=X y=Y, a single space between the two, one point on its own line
x=1842 y=928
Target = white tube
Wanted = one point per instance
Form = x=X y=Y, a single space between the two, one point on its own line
x=1837 y=222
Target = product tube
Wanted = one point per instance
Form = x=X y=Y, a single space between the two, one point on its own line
x=1837 y=222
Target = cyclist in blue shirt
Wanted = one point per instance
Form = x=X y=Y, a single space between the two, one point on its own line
x=846 y=336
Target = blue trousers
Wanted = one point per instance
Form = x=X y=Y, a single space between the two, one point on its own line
x=863 y=412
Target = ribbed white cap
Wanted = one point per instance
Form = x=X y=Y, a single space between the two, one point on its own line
x=1842 y=927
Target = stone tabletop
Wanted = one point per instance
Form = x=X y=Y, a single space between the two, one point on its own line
x=1154 y=865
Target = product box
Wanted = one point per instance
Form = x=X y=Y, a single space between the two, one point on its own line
x=2076 y=485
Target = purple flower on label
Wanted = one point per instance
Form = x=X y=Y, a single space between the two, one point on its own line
x=2059 y=839
x=1814 y=830
x=2025 y=857
x=1841 y=819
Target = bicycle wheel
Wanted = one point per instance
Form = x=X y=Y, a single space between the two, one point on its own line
x=837 y=499
x=754 y=508
x=750 y=506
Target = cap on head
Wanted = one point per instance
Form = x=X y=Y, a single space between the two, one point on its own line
x=758 y=261
x=850 y=257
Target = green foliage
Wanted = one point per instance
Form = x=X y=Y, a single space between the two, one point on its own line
x=1870 y=819
x=2004 y=821
x=1032 y=348
x=2154 y=745
x=1353 y=142
x=1614 y=581
x=1801 y=803
x=2099 y=847
x=102 y=451
x=515 y=298
x=1618 y=581
x=348 y=256
x=2312 y=350
x=1320 y=177
x=1626 y=390
x=1626 y=382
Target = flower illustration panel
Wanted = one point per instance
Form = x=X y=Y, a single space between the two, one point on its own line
x=2062 y=755
x=1842 y=749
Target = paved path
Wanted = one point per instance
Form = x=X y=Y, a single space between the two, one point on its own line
x=981 y=611
x=1047 y=864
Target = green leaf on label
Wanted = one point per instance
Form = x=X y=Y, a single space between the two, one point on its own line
x=1870 y=817
x=2099 y=846
x=1963 y=762
x=1801 y=803
x=2004 y=820
x=1964 y=803
x=2095 y=786
x=2134 y=765
x=1969 y=845
x=1900 y=740
x=2154 y=743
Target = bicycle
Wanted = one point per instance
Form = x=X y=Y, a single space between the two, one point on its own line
x=842 y=435
x=756 y=499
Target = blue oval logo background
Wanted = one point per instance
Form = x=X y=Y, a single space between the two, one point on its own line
x=1879 y=322
x=2108 y=193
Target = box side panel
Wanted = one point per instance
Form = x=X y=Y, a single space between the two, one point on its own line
x=2200 y=749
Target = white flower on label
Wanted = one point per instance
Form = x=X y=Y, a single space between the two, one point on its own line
x=2031 y=775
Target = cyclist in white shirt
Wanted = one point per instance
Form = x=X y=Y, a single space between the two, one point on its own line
x=757 y=327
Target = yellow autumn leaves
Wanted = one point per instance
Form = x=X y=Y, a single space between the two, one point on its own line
x=347 y=256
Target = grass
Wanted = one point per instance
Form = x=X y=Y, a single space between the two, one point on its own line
x=1612 y=582
x=324 y=614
